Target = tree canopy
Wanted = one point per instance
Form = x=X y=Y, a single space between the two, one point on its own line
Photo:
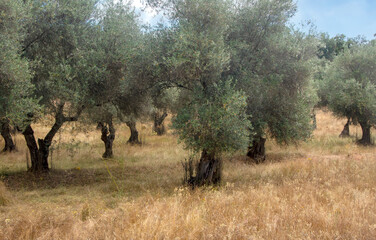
x=16 y=99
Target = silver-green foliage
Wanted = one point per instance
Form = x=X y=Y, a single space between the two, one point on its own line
x=114 y=43
x=217 y=124
x=213 y=117
x=351 y=84
x=15 y=86
x=56 y=43
x=272 y=63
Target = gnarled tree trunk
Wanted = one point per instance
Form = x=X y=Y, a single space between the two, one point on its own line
x=39 y=152
x=5 y=133
x=346 y=130
x=133 y=139
x=108 y=137
x=159 y=127
x=257 y=150
x=366 y=133
x=38 y=164
x=208 y=171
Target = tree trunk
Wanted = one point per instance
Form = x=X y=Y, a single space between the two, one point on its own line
x=314 y=120
x=38 y=156
x=159 y=127
x=208 y=171
x=5 y=133
x=108 y=137
x=39 y=153
x=133 y=139
x=366 y=134
x=257 y=150
x=346 y=130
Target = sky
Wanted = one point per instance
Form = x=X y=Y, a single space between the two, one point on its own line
x=349 y=17
x=147 y=15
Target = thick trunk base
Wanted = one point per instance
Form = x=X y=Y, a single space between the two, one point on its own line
x=257 y=151
x=346 y=130
x=366 y=135
x=159 y=127
x=108 y=137
x=133 y=139
x=208 y=171
x=43 y=152
x=38 y=155
x=6 y=134
x=108 y=152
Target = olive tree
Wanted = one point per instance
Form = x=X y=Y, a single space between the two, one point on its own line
x=272 y=64
x=114 y=42
x=213 y=125
x=328 y=50
x=351 y=80
x=212 y=119
x=136 y=103
x=163 y=93
x=150 y=90
x=54 y=42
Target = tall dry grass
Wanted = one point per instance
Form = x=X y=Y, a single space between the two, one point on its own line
x=323 y=189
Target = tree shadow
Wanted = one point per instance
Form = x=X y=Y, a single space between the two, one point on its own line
x=133 y=180
x=53 y=179
x=270 y=158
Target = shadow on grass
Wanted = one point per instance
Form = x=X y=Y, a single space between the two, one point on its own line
x=132 y=180
x=270 y=158
x=54 y=178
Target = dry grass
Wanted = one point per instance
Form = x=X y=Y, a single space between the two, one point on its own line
x=322 y=189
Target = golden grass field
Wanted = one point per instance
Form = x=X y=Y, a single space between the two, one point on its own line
x=323 y=189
